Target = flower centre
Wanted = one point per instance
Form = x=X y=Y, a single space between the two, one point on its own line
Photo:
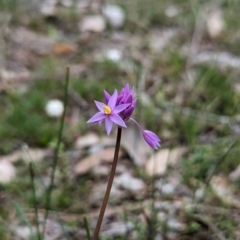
x=107 y=110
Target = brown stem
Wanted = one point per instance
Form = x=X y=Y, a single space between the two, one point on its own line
x=109 y=185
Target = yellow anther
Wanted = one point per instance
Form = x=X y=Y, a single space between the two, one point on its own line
x=107 y=109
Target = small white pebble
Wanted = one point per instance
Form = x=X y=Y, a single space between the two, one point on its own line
x=175 y=225
x=95 y=148
x=164 y=206
x=114 y=14
x=128 y=182
x=54 y=108
x=48 y=8
x=114 y=55
x=159 y=237
x=199 y=194
x=162 y=217
x=168 y=189
x=25 y=147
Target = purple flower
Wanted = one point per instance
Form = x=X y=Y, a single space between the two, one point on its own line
x=151 y=138
x=126 y=96
x=118 y=109
x=109 y=112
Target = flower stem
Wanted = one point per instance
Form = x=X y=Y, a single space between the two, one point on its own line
x=109 y=185
x=136 y=123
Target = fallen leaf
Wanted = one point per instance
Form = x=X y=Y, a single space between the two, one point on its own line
x=64 y=48
x=27 y=39
x=224 y=191
x=12 y=76
x=157 y=164
x=135 y=145
x=176 y=154
x=235 y=175
x=34 y=155
x=88 y=163
x=86 y=140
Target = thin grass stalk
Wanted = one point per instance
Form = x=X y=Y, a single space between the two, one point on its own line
x=56 y=152
x=109 y=185
x=32 y=174
x=86 y=225
x=214 y=171
x=220 y=162
x=22 y=216
x=36 y=172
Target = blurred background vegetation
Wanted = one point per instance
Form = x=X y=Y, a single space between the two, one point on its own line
x=182 y=57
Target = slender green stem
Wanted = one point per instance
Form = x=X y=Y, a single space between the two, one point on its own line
x=86 y=225
x=32 y=174
x=109 y=185
x=56 y=152
x=220 y=161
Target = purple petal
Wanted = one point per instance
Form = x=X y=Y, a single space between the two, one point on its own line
x=134 y=102
x=151 y=138
x=97 y=117
x=113 y=99
x=119 y=99
x=126 y=88
x=108 y=125
x=129 y=98
x=117 y=119
x=150 y=142
x=128 y=113
x=122 y=91
x=152 y=135
x=120 y=108
x=106 y=96
x=132 y=91
x=100 y=106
